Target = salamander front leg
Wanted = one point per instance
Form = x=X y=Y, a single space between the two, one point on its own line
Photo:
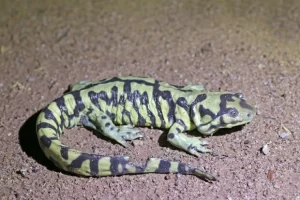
x=191 y=144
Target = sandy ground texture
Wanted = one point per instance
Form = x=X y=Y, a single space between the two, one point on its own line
x=239 y=46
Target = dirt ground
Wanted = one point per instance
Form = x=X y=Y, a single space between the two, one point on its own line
x=239 y=46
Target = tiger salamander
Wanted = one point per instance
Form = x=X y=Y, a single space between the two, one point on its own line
x=114 y=106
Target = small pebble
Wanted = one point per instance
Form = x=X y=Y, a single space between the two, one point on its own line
x=168 y=177
x=31 y=79
x=35 y=169
x=246 y=142
x=22 y=172
x=261 y=66
x=265 y=149
x=271 y=175
x=284 y=135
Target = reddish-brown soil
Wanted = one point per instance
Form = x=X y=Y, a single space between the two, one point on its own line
x=239 y=46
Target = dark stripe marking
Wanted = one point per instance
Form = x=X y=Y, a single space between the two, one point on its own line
x=182 y=168
x=43 y=125
x=164 y=166
x=45 y=141
x=198 y=99
x=114 y=165
x=49 y=115
x=64 y=152
x=182 y=102
x=76 y=163
x=244 y=104
x=181 y=122
x=171 y=135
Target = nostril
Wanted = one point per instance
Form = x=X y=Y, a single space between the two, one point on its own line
x=248 y=115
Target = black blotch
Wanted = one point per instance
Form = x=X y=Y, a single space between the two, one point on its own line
x=103 y=117
x=181 y=122
x=178 y=130
x=94 y=167
x=112 y=116
x=126 y=113
x=64 y=152
x=49 y=115
x=115 y=162
x=79 y=103
x=76 y=163
x=90 y=110
x=244 y=104
x=205 y=111
x=171 y=135
x=164 y=166
x=107 y=124
x=45 y=141
x=46 y=125
x=224 y=98
x=122 y=100
x=60 y=102
x=191 y=147
x=198 y=99
x=182 y=102
x=222 y=122
x=182 y=169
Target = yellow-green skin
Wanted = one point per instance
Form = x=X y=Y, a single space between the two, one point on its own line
x=113 y=106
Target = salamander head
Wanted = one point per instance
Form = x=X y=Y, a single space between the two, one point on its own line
x=222 y=110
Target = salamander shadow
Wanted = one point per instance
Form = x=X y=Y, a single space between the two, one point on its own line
x=29 y=142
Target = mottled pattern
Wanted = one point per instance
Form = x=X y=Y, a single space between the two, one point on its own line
x=114 y=106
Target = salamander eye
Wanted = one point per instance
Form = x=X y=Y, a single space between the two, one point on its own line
x=232 y=112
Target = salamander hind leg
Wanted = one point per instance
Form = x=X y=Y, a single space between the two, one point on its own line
x=191 y=144
x=120 y=134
